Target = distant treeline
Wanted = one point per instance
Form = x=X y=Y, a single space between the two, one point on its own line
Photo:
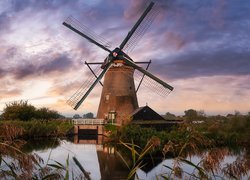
x=191 y=115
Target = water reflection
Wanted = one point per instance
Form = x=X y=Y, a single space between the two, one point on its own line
x=98 y=159
x=88 y=139
x=40 y=144
x=218 y=163
x=110 y=165
x=101 y=161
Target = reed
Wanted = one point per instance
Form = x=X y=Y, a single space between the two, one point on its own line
x=36 y=128
x=15 y=164
x=183 y=142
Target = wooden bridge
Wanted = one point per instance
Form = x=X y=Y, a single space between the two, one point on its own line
x=88 y=126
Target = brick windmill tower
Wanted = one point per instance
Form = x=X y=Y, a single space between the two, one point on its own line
x=119 y=95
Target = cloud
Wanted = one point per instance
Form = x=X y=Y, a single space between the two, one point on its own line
x=20 y=5
x=60 y=63
x=2 y=72
x=134 y=9
x=201 y=64
x=9 y=93
x=206 y=38
x=65 y=89
x=203 y=20
x=173 y=40
x=4 y=22
x=190 y=40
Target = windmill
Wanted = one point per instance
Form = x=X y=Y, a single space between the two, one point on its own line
x=119 y=95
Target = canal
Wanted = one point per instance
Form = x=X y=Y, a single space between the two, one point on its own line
x=102 y=162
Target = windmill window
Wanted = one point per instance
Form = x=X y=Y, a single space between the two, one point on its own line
x=130 y=87
x=112 y=116
x=107 y=97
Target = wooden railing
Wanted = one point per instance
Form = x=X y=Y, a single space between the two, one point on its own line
x=88 y=121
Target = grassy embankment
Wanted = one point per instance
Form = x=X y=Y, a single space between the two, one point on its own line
x=135 y=143
x=36 y=128
x=221 y=131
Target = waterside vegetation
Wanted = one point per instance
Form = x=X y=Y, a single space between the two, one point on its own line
x=34 y=122
x=208 y=136
x=18 y=164
x=198 y=134
x=39 y=129
x=179 y=144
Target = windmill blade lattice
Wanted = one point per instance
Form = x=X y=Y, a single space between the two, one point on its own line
x=141 y=30
x=131 y=63
x=76 y=97
x=86 y=31
x=151 y=84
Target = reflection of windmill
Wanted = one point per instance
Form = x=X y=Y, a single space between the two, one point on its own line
x=118 y=93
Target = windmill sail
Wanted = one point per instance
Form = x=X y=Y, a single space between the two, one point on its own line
x=148 y=74
x=75 y=98
x=81 y=94
x=150 y=84
x=142 y=77
x=137 y=24
x=141 y=30
x=85 y=32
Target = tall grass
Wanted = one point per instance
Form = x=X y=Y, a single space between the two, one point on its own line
x=179 y=144
x=36 y=128
x=136 y=155
x=15 y=164
x=231 y=130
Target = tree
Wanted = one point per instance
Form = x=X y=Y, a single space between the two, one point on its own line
x=237 y=113
x=169 y=116
x=54 y=114
x=18 y=110
x=89 y=115
x=201 y=115
x=76 y=116
x=191 y=115
x=230 y=115
x=21 y=110
x=42 y=113
x=46 y=114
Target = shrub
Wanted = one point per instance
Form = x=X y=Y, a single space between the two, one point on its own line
x=21 y=110
x=46 y=114
x=18 y=110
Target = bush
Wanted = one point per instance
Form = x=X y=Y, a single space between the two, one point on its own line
x=18 y=110
x=21 y=110
x=46 y=114
x=139 y=135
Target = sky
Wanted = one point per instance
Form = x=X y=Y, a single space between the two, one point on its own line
x=201 y=48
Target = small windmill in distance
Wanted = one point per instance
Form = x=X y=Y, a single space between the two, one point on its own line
x=118 y=99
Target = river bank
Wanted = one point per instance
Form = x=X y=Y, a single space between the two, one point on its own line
x=36 y=128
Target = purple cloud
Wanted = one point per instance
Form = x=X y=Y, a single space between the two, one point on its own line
x=59 y=64
x=200 y=64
